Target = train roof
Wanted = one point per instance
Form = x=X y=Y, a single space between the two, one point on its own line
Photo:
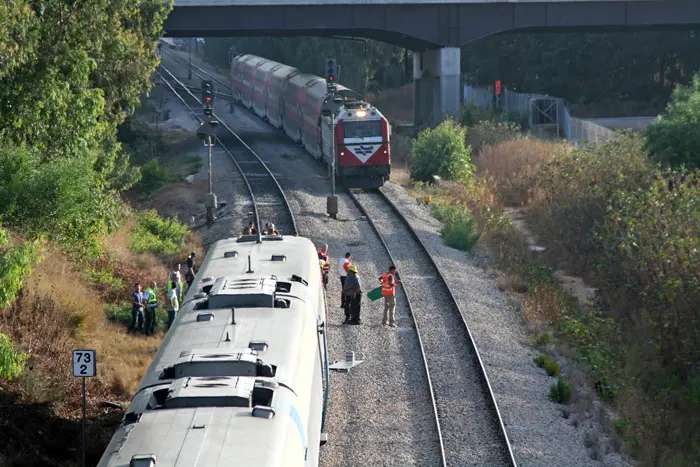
x=222 y=385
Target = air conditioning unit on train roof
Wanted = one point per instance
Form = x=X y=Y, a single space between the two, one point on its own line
x=243 y=292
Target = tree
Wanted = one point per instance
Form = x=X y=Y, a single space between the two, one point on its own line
x=674 y=138
x=71 y=73
x=442 y=151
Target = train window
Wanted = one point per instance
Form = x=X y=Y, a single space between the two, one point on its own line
x=363 y=129
x=282 y=303
x=230 y=254
x=279 y=258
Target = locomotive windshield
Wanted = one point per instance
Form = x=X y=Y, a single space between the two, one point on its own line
x=363 y=129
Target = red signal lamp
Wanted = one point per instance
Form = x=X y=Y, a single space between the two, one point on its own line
x=330 y=78
x=207 y=100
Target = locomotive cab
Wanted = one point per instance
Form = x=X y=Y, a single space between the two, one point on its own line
x=362 y=137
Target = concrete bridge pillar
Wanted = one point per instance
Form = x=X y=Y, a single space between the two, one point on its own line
x=436 y=85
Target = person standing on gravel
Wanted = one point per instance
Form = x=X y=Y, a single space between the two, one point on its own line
x=343 y=266
x=353 y=294
x=389 y=282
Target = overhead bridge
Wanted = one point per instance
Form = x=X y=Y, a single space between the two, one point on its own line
x=433 y=27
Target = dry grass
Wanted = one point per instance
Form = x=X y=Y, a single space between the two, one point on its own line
x=510 y=168
x=59 y=310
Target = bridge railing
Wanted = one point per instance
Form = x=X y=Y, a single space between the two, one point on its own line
x=568 y=126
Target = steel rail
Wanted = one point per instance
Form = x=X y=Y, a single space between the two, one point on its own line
x=415 y=323
x=185 y=63
x=235 y=162
x=257 y=157
x=472 y=342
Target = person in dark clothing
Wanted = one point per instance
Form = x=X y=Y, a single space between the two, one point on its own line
x=136 y=308
x=191 y=269
x=250 y=230
x=353 y=296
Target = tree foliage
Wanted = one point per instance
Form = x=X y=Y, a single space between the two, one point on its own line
x=674 y=138
x=442 y=151
x=11 y=361
x=71 y=72
x=15 y=263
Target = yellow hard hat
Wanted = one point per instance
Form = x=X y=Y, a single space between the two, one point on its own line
x=352 y=268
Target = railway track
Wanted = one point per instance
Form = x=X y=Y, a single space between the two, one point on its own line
x=468 y=423
x=269 y=202
x=467 y=416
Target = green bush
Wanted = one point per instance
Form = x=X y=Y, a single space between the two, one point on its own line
x=120 y=314
x=674 y=139
x=15 y=264
x=62 y=199
x=560 y=392
x=650 y=252
x=441 y=151
x=153 y=176
x=543 y=338
x=156 y=235
x=549 y=364
x=12 y=362
x=472 y=114
x=459 y=228
x=575 y=189
x=489 y=133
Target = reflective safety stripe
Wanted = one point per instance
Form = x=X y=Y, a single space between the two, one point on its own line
x=152 y=298
x=388 y=289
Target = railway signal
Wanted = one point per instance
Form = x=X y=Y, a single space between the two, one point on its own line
x=331 y=68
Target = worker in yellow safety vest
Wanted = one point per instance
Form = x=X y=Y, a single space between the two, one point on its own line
x=324 y=263
x=151 y=299
x=389 y=282
x=180 y=292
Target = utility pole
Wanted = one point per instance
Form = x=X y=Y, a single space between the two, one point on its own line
x=206 y=133
x=211 y=198
x=189 y=68
x=327 y=111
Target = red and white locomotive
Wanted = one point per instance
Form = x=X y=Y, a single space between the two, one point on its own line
x=291 y=101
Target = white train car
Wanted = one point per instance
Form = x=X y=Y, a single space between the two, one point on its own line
x=241 y=378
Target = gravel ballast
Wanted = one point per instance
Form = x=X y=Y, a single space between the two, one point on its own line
x=470 y=426
x=380 y=412
x=539 y=434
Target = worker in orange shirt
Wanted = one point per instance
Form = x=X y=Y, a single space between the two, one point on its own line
x=343 y=266
x=389 y=282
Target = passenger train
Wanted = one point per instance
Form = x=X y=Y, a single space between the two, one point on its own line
x=242 y=376
x=291 y=101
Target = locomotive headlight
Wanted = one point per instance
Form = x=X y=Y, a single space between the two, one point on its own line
x=361 y=113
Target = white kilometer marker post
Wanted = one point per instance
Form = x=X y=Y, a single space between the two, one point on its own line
x=84 y=366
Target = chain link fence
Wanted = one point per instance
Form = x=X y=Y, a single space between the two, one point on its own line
x=545 y=112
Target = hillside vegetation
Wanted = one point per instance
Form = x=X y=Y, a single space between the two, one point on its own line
x=70 y=248
x=623 y=215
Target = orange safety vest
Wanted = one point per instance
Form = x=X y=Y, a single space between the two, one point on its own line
x=324 y=257
x=387 y=288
